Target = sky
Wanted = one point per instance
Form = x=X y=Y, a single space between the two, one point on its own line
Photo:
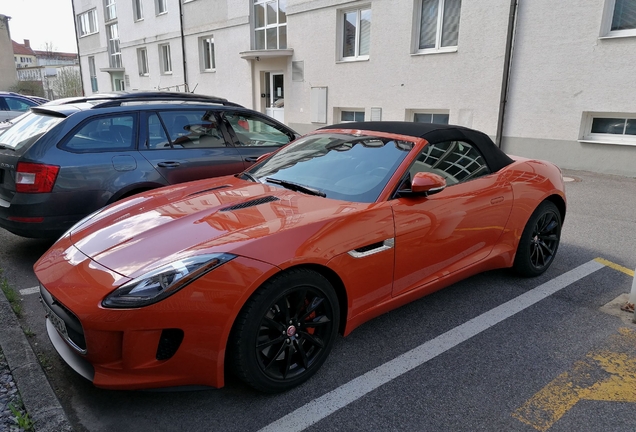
x=41 y=21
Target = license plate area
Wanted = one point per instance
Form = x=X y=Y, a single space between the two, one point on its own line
x=57 y=322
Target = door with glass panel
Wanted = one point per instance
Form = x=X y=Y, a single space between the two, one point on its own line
x=275 y=96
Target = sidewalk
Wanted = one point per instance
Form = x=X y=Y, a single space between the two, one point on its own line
x=25 y=373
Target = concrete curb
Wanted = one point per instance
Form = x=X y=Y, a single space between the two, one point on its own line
x=37 y=395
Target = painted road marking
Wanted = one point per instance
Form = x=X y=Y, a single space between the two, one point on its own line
x=607 y=375
x=28 y=291
x=319 y=408
x=615 y=266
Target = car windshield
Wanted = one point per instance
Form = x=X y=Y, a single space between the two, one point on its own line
x=27 y=130
x=339 y=166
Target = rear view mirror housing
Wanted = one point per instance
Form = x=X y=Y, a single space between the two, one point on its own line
x=425 y=184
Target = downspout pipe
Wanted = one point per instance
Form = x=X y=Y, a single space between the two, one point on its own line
x=79 y=57
x=505 y=80
x=183 y=50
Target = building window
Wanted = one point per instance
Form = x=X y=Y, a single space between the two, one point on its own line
x=356 y=34
x=92 y=70
x=110 y=11
x=610 y=128
x=270 y=24
x=161 y=6
x=142 y=59
x=138 y=10
x=113 y=46
x=207 y=54
x=87 y=23
x=438 y=25
x=620 y=18
x=347 y=116
x=424 y=117
x=165 y=59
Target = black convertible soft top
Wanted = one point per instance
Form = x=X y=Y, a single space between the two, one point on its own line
x=436 y=133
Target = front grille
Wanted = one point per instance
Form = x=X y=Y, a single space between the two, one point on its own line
x=73 y=324
x=169 y=343
x=251 y=203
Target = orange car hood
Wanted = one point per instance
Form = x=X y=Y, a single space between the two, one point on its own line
x=160 y=226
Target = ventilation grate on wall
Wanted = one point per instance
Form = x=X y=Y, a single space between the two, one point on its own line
x=298 y=71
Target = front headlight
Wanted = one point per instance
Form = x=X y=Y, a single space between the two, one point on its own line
x=160 y=283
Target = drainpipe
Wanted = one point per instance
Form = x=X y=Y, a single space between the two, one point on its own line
x=505 y=81
x=183 y=50
x=79 y=59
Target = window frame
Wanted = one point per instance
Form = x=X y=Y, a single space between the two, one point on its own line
x=142 y=61
x=341 y=34
x=110 y=10
x=89 y=17
x=63 y=145
x=417 y=29
x=205 y=43
x=114 y=47
x=606 y=25
x=268 y=26
x=354 y=111
x=410 y=116
x=161 y=7
x=92 y=71
x=138 y=10
x=587 y=136
x=165 y=59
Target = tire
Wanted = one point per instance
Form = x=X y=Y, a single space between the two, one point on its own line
x=285 y=331
x=539 y=241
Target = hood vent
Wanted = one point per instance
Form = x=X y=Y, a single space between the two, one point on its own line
x=208 y=190
x=251 y=203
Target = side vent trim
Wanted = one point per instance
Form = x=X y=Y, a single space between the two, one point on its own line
x=208 y=190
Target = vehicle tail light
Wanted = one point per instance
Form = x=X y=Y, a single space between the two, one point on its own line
x=35 y=178
x=26 y=219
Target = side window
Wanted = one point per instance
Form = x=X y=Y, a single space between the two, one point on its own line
x=255 y=131
x=103 y=134
x=193 y=129
x=157 y=137
x=16 y=104
x=456 y=161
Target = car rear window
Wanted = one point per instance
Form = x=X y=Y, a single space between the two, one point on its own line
x=27 y=130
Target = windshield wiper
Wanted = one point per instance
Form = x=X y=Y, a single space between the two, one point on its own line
x=297 y=187
x=250 y=177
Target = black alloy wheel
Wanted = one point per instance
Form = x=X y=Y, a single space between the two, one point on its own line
x=285 y=331
x=539 y=242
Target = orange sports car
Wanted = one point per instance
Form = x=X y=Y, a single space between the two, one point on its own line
x=258 y=272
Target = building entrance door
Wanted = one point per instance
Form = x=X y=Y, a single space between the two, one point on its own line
x=275 y=94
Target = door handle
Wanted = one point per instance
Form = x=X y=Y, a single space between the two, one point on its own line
x=168 y=164
x=496 y=200
x=251 y=159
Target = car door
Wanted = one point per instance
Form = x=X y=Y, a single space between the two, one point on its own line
x=188 y=145
x=442 y=233
x=254 y=135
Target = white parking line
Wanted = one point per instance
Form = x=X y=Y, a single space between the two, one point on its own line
x=28 y=291
x=340 y=397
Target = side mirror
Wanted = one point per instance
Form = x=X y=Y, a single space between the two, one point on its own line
x=425 y=183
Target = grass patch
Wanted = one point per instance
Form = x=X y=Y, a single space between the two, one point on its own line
x=21 y=417
x=11 y=295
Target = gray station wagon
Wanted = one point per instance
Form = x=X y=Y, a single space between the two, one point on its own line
x=71 y=157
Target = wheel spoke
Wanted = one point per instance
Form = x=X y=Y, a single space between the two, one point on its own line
x=318 y=321
x=551 y=226
x=315 y=303
x=549 y=237
x=311 y=339
x=271 y=360
x=270 y=323
x=270 y=342
x=303 y=354
x=283 y=306
x=288 y=361
x=299 y=303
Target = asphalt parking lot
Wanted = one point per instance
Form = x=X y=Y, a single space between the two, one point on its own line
x=493 y=352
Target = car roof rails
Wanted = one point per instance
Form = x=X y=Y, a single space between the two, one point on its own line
x=118 y=98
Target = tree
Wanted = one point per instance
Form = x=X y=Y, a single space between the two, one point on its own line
x=68 y=83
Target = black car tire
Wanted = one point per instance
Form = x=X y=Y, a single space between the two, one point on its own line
x=285 y=331
x=539 y=241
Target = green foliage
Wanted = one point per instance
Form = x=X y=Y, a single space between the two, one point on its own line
x=11 y=295
x=21 y=417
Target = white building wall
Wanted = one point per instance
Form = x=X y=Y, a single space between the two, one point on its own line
x=562 y=69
